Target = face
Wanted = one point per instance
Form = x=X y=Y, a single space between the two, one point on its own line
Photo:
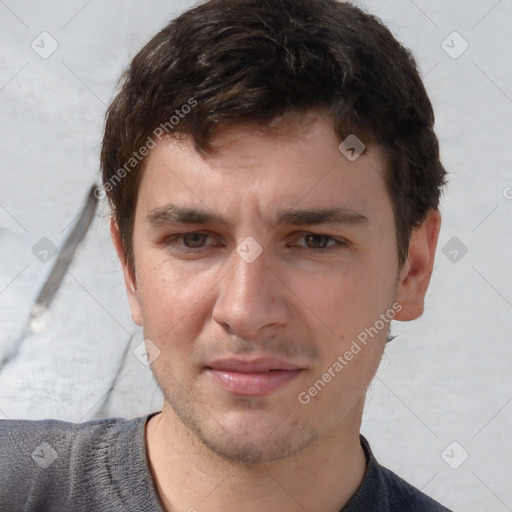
x=257 y=269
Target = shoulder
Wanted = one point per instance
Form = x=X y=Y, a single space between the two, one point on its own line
x=25 y=442
x=45 y=462
x=382 y=490
x=52 y=427
x=403 y=496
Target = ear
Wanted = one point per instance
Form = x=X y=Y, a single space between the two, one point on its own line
x=414 y=276
x=129 y=277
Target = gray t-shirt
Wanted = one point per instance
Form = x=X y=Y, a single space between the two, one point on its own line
x=102 y=465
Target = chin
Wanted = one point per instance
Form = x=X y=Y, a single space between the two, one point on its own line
x=247 y=436
x=251 y=450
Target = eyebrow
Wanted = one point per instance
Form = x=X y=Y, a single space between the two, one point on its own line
x=173 y=214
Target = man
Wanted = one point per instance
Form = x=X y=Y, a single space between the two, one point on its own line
x=274 y=180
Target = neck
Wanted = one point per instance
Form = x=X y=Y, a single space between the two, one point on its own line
x=189 y=476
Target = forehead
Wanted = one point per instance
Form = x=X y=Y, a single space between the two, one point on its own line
x=294 y=162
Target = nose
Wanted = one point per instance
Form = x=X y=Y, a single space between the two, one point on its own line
x=250 y=298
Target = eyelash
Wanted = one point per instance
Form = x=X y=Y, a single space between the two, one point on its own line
x=339 y=243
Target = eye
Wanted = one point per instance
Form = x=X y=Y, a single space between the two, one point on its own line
x=194 y=240
x=321 y=243
x=318 y=241
x=188 y=241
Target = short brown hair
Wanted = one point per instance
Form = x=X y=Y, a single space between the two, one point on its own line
x=229 y=62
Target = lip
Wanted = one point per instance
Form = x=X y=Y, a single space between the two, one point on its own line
x=256 y=377
x=261 y=364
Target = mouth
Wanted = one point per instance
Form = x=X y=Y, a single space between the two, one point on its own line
x=256 y=377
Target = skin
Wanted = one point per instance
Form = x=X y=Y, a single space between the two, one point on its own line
x=198 y=299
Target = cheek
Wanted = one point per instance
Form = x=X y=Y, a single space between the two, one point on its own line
x=345 y=301
x=171 y=301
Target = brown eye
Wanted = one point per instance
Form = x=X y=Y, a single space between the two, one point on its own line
x=317 y=241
